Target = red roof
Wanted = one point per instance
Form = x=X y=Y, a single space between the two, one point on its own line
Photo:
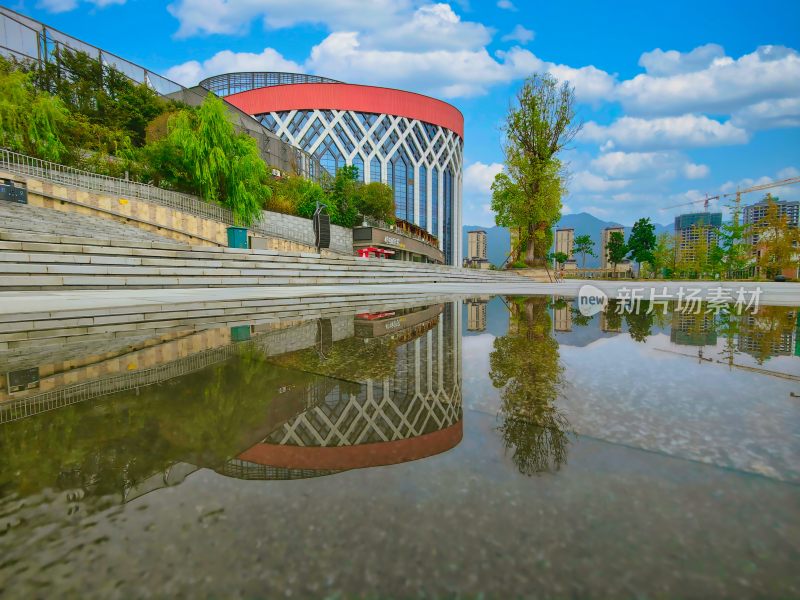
x=347 y=96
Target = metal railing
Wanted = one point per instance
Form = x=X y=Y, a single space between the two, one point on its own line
x=50 y=172
x=72 y=177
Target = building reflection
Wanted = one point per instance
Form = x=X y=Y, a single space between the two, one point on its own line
x=279 y=400
x=409 y=412
x=476 y=313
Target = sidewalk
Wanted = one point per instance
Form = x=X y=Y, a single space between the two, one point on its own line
x=20 y=303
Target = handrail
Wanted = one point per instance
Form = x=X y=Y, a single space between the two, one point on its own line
x=15 y=162
x=72 y=177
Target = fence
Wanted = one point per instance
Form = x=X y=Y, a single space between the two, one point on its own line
x=288 y=227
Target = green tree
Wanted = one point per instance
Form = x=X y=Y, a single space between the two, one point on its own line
x=31 y=122
x=344 y=194
x=737 y=253
x=560 y=258
x=664 y=255
x=536 y=129
x=583 y=245
x=202 y=154
x=525 y=366
x=307 y=194
x=376 y=200
x=617 y=249
x=778 y=242
x=642 y=242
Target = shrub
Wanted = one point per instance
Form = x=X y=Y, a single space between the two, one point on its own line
x=376 y=200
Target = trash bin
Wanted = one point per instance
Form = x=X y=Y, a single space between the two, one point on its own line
x=240 y=333
x=237 y=237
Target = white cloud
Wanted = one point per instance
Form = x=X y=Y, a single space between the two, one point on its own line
x=59 y=6
x=769 y=114
x=197 y=17
x=519 y=34
x=652 y=165
x=431 y=27
x=191 y=72
x=723 y=86
x=506 y=5
x=478 y=178
x=664 y=133
x=659 y=63
x=788 y=172
x=586 y=181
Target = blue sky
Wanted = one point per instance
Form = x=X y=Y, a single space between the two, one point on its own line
x=679 y=99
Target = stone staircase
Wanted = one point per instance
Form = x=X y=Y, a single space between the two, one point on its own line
x=35 y=220
x=64 y=262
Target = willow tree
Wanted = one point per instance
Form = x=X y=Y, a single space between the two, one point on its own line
x=31 y=121
x=537 y=128
x=203 y=154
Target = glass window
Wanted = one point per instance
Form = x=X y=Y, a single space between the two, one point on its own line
x=375 y=169
x=400 y=187
x=359 y=164
x=447 y=233
x=422 y=219
x=435 y=201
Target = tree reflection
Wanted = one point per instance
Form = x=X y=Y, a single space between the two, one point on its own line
x=525 y=365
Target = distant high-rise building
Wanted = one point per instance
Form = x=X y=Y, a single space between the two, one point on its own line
x=562 y=318
x=753 y=214
x=476 y=250
x=476 y=316
x=692 y=227
x=605 y=264
x=565 y=238
x=476 y=244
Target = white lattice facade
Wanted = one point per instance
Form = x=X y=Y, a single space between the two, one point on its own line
x=420 y=161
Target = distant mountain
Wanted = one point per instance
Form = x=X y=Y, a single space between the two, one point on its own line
x=499 y=240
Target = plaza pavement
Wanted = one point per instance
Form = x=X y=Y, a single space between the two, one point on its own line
x=23 y=302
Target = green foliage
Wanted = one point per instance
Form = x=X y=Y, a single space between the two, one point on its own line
x=664 y=255
x=642 y=242
x=376 y=200
x=101 y=99
x=735 y=249
x=31 y=122
x=616 y=248
x=777 y=242
x=307 y=195
x=526 y=367
x=528 y=196
x=344 y=195
x=202 y=154
x=583 y=245
x=560 y=258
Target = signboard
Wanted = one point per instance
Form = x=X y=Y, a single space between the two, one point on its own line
x=24 y=379
x=12 y=193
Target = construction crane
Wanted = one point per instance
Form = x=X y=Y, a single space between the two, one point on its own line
x=738 y=193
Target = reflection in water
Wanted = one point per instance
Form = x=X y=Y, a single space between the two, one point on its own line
x=387 y=388
x=525 y=365
x=677 y=422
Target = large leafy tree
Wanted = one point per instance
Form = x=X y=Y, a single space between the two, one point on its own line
x=642 y=242
x=735 y=249
x=537 y=129
x=204 y=155
x=583 y=245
